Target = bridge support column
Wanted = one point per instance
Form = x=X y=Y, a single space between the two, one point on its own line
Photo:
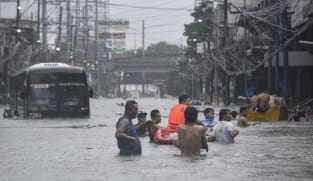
x=143 y=78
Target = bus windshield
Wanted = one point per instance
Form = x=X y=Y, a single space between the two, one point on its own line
x=55 y=91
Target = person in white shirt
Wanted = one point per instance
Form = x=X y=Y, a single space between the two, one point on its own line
x=224 y=131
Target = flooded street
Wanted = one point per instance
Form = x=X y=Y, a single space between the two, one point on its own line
x=86 y=149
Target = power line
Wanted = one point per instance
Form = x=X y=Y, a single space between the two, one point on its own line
x=147 y=7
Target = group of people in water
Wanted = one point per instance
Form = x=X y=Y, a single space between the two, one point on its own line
x=183 y=129
x=262 y=101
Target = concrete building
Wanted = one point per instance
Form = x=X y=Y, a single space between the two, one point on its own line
x=299 y=51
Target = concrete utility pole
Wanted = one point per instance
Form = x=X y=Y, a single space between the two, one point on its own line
x=277 y=55
x=68 y=27
x=96 y=33
x=71 y=39
x=44 y=31
x=86 y=31
x=245 y=48
x=60 y=28
x=285 y=57
x=18 y=9
x=38 y=19
x=77 y=7
x=224 y=45
x=44 y=24
x=143 y=38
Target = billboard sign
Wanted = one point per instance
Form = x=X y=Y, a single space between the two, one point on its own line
x=105 y=36
x=108 y=43
x=115 y=24
x=119 y=36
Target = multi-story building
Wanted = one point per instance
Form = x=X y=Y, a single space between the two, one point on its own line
x=299 y=51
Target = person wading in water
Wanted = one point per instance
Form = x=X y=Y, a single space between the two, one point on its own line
x=126 y=134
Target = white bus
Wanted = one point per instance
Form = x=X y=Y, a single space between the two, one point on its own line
x=50 y=90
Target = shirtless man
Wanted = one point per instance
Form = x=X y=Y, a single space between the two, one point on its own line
x=242 y=119
x=154 y=126
x=191 y=136
x=142 y=125
x=260 y=102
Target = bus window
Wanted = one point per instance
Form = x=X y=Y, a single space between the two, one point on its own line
x=42 y=92
x=72 y=92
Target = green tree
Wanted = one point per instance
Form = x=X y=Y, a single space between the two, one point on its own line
x=201 y=29
x=163 y=49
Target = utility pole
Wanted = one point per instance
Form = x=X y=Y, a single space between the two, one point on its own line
x=18 y=9
x=277 y=55
x=135 y=45
x=224 y=45
x=285 y=57
x=44 y=28
x=86 y=31
x=143 y=38
x=68 y=28
x=96 y=52
x=96 y=33
x=245 y=48
x=38 y=19
x=71 y=39
x=77 y=7
x=44 y=23
x=60 y=29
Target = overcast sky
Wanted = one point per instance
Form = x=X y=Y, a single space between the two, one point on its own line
x=161 y=24
x=164 y=19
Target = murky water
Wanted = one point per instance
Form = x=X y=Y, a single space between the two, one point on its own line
x=85 y=149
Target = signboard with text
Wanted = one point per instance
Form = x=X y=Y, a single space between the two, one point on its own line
x=118 y=24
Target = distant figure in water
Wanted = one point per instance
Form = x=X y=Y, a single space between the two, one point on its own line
x=277 y=101
x=191 y=136
x=7 y=113
x=242 y=118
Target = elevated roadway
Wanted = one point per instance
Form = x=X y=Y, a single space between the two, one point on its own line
x=144 y=64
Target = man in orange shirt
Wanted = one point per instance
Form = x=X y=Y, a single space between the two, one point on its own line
x=176 y=115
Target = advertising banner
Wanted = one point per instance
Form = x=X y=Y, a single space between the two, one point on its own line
x=105 y=36
x=118 y=24
x=119 y=36
x=109 y=43
x=119 y=49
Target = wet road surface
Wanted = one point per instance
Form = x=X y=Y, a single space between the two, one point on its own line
x=85 y=149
